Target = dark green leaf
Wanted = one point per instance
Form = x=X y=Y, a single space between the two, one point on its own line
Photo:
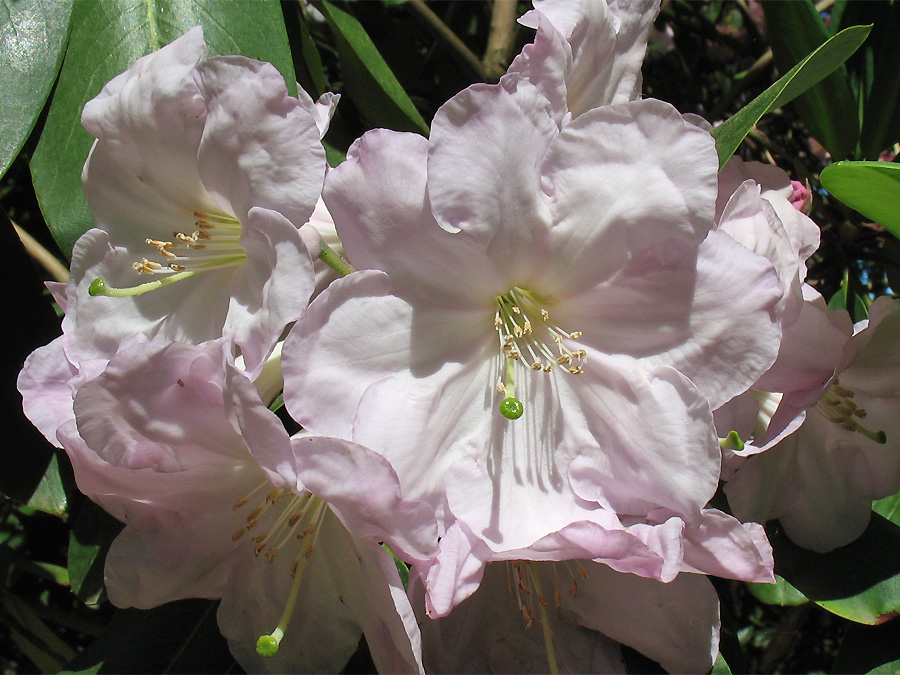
x=178 y=637
x=50 y=495
x=872 y=188
x=106 y=38
x=828 y=109
x=801 y=77
x=32 y=42
x=780 y=593
x=859 y=581
x=89 y=542
x=368 y=80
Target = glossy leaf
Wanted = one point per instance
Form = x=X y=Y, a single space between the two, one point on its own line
x=872 y=188
x=368 y=80
x=720 y=667
x=859 y=581
x=828 y=109
x=106 y=38
x=780 y=593
x=822 y=62
x=32 y=43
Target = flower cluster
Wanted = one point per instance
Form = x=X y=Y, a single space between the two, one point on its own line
x=560 y=321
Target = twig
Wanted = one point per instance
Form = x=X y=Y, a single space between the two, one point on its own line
x=500 y=39
x=42 y=256
x=457 y=46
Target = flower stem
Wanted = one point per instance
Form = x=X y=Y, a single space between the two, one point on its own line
x=328 y=256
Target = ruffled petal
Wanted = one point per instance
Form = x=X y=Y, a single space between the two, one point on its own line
x=260 y=147
x=378 y=198
x=625 y=182
x=484 y=172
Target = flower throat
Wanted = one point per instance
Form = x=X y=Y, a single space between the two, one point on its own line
x=527 y=335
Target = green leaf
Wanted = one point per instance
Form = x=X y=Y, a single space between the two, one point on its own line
x=720 y=667
x=368 y=80
x=780 y=593
x=178 y=637
x=859 y=581
x=891 y=668
x=89 y=542
x=50 y=495
x=106 y=38
x=828 y=109
x=32 y=43
x=801 y=77
x=872 y=188
x=856 y=305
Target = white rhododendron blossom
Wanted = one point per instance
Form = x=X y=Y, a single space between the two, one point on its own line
x=820 y=480
x=160 y=440
x=202 y=172
x=543 y=320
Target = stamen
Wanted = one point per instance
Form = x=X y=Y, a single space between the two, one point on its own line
x=837 y=406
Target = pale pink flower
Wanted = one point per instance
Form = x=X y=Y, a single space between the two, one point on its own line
x=160 y=440
x=567 y=277
x=820 y=480
x=526 y=615
x=202 y=172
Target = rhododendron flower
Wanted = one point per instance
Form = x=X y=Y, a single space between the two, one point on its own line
x=202 y=172
x=543 y=320
x=568 y=617
x=160 y=440
x=820 y=481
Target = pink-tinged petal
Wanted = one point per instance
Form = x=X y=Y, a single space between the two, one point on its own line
x=484 y=172
x=156 y=406
x=44 y=386
x=362 y=488
x=724 y=547
x=710 y=316
x=150 y=119
x=685 y=615
x=656 y=444
x=633 y=20
x=378 y=198
x=456 y=573
x=271 y=288
x=260 y=147
x=488 y=632
x=545 y=62
x=778 y=191
x=625 y=182
x=389 y=337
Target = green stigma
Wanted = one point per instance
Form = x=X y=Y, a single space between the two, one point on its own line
x=97 y=287
x=511 y=408
x=732 y=441
x=267 y=645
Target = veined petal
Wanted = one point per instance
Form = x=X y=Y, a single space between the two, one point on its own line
x=669 y=421
x=44 y=385
x=271 y=288
x=150 y=119
x=260 y=147
x=625 y=182
x=378 y=198
x=484 y=160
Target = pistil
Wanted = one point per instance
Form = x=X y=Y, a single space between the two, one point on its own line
x=213 y=244
x=527 y=335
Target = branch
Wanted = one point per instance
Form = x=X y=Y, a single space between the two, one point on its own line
x=457 y=46
x=500 y=39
